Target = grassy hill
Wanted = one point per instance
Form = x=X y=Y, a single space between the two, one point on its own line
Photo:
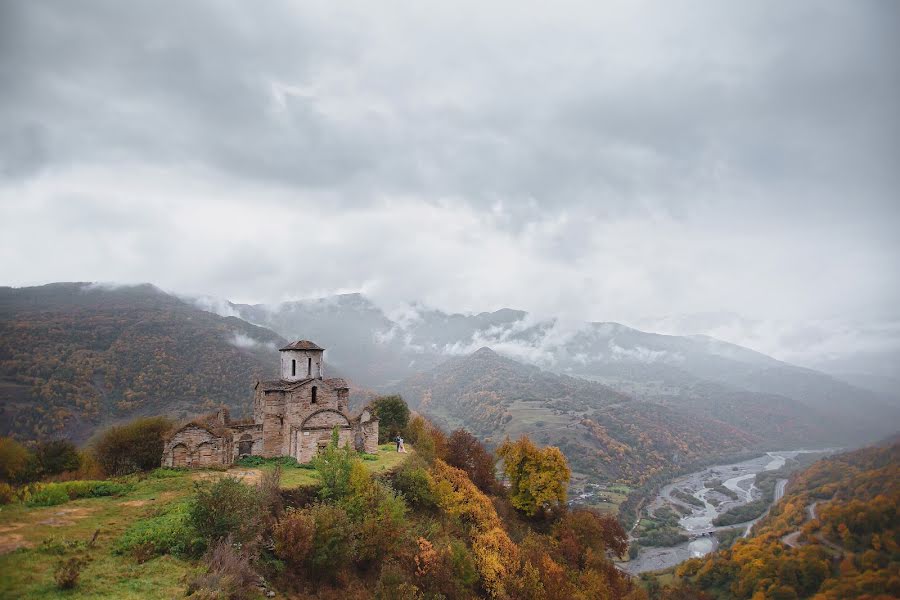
x=33 y=539
x=75 y=356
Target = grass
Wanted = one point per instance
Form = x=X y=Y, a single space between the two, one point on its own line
x=54 y=533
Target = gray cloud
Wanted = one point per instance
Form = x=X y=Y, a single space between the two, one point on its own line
x=603 y=162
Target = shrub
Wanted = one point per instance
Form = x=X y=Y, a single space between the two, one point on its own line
x=7 y=494
x=136 y=446
x=167 y=533
x=226 y=508
x=48 y=495
x=269 y=491
x=294 y=537
x=15 y=461
x=332 y=545
x=383 y=526
x=51 y=494
x=228 y=575
x=57 y=456
x=334 y=465
x=430 y=442
x=393 y=416
x=67 y=572
x=416 y=485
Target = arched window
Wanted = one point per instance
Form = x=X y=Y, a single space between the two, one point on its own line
x=293 y=368
x=309 y=368
x=314 y=390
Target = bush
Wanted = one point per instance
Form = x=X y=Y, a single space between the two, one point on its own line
x=228 y=576
x=167 y=533
x=429 y=441
x=57 y=456
x=136 y=446
x=416 y=485
x=48 y=495
x=334 y=465
x=226 y=509
x=67 y=572
x=393 y=416
x=332 y=545
x=15 y=461
x=51 y=494
x=7 y=494
x=269 y=491
x=294 y=537
x=382 y=527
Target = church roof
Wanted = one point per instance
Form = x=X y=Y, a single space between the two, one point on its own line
x=281 y=385
x=302 y=345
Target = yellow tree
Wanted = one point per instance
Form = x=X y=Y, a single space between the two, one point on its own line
x=538 y=477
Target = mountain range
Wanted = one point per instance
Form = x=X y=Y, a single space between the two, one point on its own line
x=777 y=401
x=622 y=403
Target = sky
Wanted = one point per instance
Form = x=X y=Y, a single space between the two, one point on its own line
x=694 y=167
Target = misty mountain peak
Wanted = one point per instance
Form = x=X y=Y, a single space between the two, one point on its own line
x=484 y=352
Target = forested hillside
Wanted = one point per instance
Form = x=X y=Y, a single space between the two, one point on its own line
x=601 y=431
x=74 y=356
x=835 y=535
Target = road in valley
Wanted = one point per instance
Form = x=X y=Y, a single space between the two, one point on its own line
x=737 y=477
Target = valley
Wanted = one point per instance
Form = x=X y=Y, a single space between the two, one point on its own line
x=698 y=522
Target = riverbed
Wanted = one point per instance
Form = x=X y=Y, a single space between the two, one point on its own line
x=736 y=477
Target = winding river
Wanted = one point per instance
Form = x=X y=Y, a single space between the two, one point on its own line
x=737 y=477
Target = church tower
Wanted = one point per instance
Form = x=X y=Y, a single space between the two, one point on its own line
x=301 y=360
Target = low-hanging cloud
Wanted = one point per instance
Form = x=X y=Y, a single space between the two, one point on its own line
x=581 y=161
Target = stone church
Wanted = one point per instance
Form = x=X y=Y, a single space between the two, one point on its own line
x=292 y=416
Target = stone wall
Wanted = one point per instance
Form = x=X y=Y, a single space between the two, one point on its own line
x=196 y=446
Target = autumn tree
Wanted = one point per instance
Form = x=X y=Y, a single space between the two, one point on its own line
x=14 y=460
x=538 y=477
x=465 y=452
x=430 y=442
x=495 y=554
x=583 y=535
x=135 y=446
x=57 y=456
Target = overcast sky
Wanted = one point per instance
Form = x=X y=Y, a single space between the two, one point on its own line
x=622 y=161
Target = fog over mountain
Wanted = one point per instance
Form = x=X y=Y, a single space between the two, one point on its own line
x=698 y=374
x=618 y=162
